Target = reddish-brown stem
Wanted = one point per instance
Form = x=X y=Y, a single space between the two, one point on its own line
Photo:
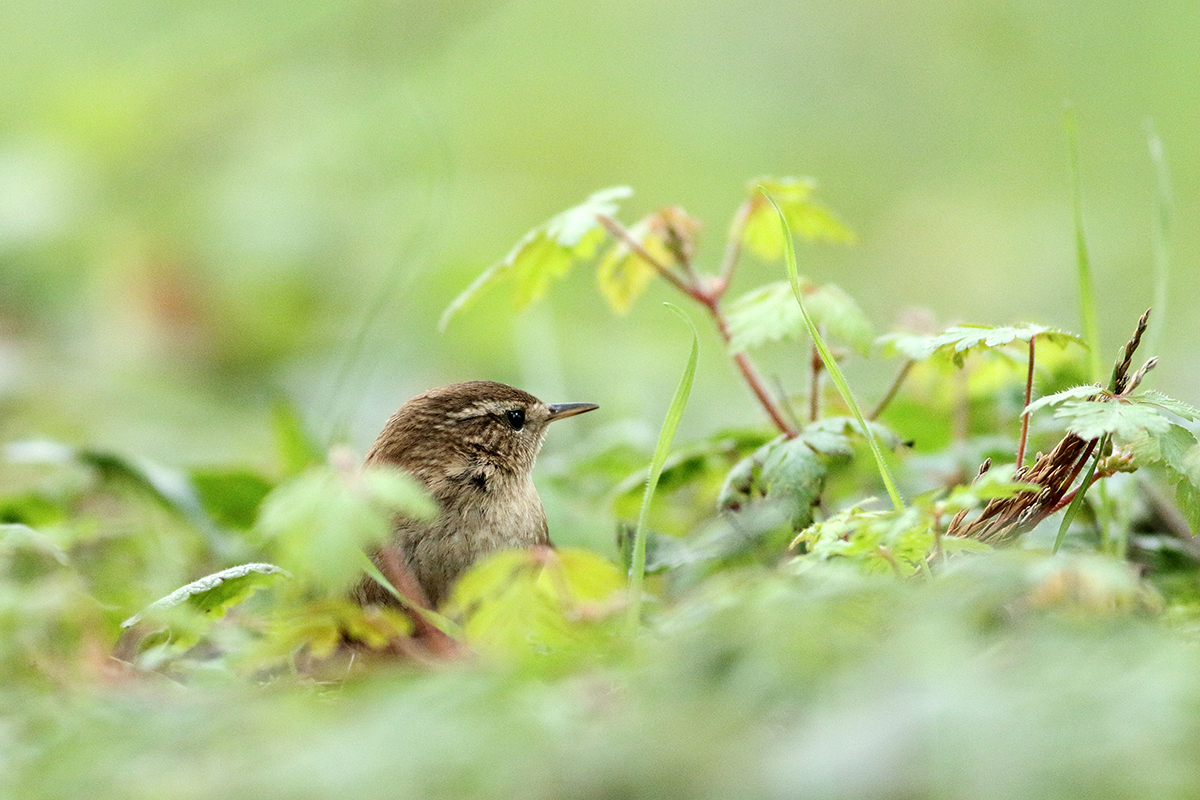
x=893 y=390
x=733 y=248
x=1024 y=414
x=814 y=396
x=710 y=297
x=748 y=371
x=621 y=232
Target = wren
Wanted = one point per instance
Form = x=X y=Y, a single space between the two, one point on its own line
x=472 y=445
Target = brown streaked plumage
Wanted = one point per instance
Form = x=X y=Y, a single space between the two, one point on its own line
x=473 y=446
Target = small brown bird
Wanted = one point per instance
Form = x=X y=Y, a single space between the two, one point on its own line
x=472 y=445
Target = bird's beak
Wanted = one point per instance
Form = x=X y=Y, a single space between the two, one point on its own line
x=563 y=410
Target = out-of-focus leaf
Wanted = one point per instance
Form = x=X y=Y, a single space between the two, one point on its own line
x=297 y=450
x=898 y=540
x=1181 y=454
x=806 y=218
x=231 y=497
x=521 y=602
x=322 y=520
x=547 y=251
x=623 y=275
x=217 y=593
x=770 y=314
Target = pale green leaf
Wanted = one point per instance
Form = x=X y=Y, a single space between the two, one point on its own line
x=1161 y=400
x=1091 y=419
x=623 y=274
x=771 y=314
x=1074 y=393
x=955 y=342
x=547 y=252
x=806 y=218
x=215 y=594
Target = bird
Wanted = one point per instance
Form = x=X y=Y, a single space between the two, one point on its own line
x=472 y=446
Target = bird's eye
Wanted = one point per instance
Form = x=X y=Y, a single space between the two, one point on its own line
x=516 y=418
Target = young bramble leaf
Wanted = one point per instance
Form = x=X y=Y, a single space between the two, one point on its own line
x=217 y=593
x=547 y=251
x=762 y=235
x=1180 y=452
x=770 y=314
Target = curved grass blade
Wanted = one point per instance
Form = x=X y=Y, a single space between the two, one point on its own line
x=637 y=567
x=831 y=365
x=1077 y=500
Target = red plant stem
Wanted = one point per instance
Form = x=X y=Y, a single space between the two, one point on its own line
x=1025 y=414
x=619 y=231
x=713 y=304
x=733 y=248
x=814 y=397
x=710 y=298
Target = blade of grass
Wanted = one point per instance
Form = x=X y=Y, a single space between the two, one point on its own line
x=1164 y=213
x=831 y=365
x=1077 y=501
x=1087 y=293
x=637 y=567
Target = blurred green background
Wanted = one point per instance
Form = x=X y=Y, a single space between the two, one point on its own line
x=204 y=206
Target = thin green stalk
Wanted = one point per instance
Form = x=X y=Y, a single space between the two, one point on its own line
x=637 y=567
x=831 y=365
x=1087 y=293
x=435 y=620
x=1077 y=500
x=1161 y=232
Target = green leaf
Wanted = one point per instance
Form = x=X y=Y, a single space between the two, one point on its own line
x=623 y=274
x=296 y=448
x=770 y=314
x=322 y=520
x=806 y=218
x=231 y=497
x=529 y=602
x=1161 y=400
x=898 y=540
x=546 y=252
x=1085 y=392
x=1091 y=419
x=1181 y=453
x=215 y=594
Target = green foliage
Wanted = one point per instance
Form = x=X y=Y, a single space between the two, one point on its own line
x=319 y=522
x=547 y=252
x=958 y=341
x=805 y=217
x=770 y=314
x=764 y=597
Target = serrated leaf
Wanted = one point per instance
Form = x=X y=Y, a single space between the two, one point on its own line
x=1074 y=393
x=955 y=342
x=771 y=314
x=806 y=218
x=1161 y=400
x=546 y=252
x=1091 y=419
x=793 y=473
x=216 y=593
